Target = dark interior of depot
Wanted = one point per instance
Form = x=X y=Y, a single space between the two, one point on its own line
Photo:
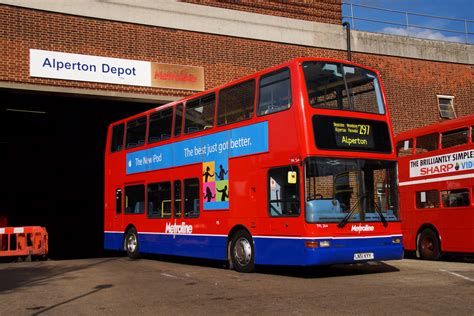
x=52 y=160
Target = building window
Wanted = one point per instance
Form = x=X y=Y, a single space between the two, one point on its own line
x=191 y=197
x=199 y=114
x=427 y=199
x=427 y=143
x=274 y=92
x=236 y=103
x=455 y=198
x=135 y=199
x=454 y=138
x=160 y=125
x=117 y=138
x=159 y=200
x=136 y=131
x=446 y=106
x=284 y=197
x=405 y=148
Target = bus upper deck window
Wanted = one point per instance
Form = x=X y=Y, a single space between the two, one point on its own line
x=160 y=125
x=236 y=103
x=274 y=92
x=426 y=143
x=136 y=130
x=178 y=119
x=117 y=138
x=454 y=138
x=199 y=114
x=405 y=148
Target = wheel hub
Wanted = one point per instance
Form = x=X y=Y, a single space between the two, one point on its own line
x=132 y=243
x=243 y=251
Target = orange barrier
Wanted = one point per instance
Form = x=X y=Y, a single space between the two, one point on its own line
x=23 y=241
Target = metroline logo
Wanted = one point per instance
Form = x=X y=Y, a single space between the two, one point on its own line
x=178 y=228
x=359 y=228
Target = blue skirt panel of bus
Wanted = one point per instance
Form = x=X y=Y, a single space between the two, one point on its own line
x=113 y=241
x=199 y=246
x=292 y=251
x=268 y=250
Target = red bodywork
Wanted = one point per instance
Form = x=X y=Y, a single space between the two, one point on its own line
x=454 y=225
x=291 y=140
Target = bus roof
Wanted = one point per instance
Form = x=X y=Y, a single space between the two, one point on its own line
x=437 y=127
x=241 y=79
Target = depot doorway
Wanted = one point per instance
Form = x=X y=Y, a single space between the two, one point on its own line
x=51 y=168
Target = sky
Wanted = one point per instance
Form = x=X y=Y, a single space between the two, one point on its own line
x=420 y=26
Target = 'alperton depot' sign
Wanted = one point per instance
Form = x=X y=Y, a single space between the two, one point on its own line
x=58 y=65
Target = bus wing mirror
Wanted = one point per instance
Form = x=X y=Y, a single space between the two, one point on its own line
x=292 y=178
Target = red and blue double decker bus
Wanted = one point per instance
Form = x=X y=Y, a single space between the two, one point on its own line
x=293 y=165
x=436 y=178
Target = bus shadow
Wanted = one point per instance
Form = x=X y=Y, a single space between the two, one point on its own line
x=312 y=272
x=447 y=257
x=330 y=271
x=186 y=260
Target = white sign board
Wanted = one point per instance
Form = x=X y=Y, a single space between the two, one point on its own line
x=442 y=164
x=57 y=65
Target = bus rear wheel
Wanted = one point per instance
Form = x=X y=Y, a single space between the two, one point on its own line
x=131 y=244
x=428 y=245
x=242 y=252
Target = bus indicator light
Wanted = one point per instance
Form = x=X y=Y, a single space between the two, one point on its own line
x=311 y=244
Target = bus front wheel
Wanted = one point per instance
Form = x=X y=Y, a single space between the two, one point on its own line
x=131 y=244
x=428 y=245
x=242 y=252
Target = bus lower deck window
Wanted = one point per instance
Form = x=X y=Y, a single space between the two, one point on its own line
x=455 y=198
x=427 y=199
x=191 y=197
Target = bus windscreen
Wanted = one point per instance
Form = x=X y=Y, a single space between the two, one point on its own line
x=361 y=190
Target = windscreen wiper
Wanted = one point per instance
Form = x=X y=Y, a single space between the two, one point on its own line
x=346 y=218
x=379 y=211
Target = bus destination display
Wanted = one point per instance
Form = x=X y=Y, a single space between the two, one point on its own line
x=342 y=133
x=353 y=135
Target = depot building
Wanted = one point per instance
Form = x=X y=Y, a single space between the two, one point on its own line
x=69 y=70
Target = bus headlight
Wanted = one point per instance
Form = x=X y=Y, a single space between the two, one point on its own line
x=396 y=240
x=316 y=244
x=325 y=243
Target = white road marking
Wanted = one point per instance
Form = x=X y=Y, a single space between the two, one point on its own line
x=457 y=274
x=169 y=275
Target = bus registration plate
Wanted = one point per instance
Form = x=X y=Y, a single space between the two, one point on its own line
x=364 y=256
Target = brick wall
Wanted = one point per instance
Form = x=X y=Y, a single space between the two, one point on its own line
x=325 y=11
x=411 y=85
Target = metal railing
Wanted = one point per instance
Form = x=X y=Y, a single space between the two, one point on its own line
x=409 y=28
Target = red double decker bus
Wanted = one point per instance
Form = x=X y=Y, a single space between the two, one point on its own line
x=293 y=165
x=436 y=179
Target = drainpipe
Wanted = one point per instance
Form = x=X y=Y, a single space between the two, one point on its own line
x=347 y=25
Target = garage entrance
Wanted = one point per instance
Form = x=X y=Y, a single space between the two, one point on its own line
x=51 y=170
